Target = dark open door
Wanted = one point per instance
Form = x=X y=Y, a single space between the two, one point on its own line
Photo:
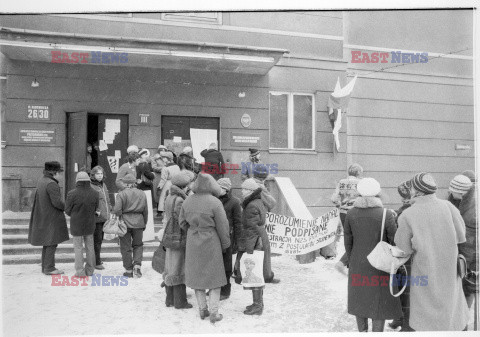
x=119 y=146
x=76 y=146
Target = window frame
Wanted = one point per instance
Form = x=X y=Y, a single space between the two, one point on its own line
x=291 y=119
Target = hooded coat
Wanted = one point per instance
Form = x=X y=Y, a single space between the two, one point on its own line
x=48 y=225
x=233 y=210
x=214 y=163
x=368 y=288
x=174 y=273
x=208 y=234
x=431 y=229
x=104 y=204
x=81 y=205
x=255 y=208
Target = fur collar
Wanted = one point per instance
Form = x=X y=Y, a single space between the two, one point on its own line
x=253 y=196
x=367 y=202
x=175 y=190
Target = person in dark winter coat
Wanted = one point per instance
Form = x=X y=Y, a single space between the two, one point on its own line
x=247 y=170
x=48 y=226
x=168 y=171
x=462 y=194
x=82 y=207
x=157 y=166
x=405 y=191
x=368 y=291
x=130 y=167
x=174 y=274
x=186 y=161
x=131 y=205
x=97 y=177
x=145 y=176
x=207 y=236
x=214 y=163
x=233 y=209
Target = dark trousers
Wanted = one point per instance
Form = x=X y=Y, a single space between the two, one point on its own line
x=48 y=258
x=227 y=263
x=344 y=258
x=132 y=241
x=176 y=296
x=377 y=324
x=97 y=241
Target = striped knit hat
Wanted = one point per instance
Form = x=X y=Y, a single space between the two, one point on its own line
x=404 y=189
x=424 y=182
x=460 y=184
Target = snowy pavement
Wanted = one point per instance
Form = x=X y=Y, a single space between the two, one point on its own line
x=310 y=298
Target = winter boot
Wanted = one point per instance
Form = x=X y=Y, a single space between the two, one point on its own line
x=136 y=271
x=225 y=291
x=257 y=307
x=204 y=313
x=272 y=279
x=395 y=323
x=169 y=299
x=215 y=317
x=128 y=273
x=180 y=297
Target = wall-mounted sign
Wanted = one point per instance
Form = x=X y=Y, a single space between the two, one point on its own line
x=33 y=136
x=144 y=118
x=38 y=112
x=244 y=139
x=246 y=120
x=462 y=147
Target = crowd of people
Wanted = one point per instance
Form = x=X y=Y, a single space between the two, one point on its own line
x=431 y=231
x=205 y=225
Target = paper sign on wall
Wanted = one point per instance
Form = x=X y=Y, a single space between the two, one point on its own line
x=118 y=154
x=102 y=146
x=177 y=139
x=201 y=140
x=114 y=163
x=112 y=125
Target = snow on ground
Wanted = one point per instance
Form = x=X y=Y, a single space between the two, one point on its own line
x=310 y=298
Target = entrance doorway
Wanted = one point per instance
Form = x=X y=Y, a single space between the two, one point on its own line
x=197 y=132
x=108 y=135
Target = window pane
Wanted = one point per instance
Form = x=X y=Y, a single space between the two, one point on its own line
x=279 y=121
x=302 y=122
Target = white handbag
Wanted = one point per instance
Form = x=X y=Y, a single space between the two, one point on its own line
x=388 y=258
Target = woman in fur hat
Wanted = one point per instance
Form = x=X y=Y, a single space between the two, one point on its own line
x=368 y=292
x=174 y=274
x=207 y=236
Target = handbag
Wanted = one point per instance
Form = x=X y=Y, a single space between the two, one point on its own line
x=461 y=266
x=174 y=237
x=158 y=259
x=387 y=258
x=146 y=181
x=115 y=225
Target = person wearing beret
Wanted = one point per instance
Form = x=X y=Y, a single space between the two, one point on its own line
x=48 y=226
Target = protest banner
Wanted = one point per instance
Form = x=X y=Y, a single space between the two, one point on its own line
x=296 y=236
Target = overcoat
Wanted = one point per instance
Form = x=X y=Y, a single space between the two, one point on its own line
x=368 y=288
x=165 y=182
x=208 y=234
x=81 y=205
x=48 y=225
x=104 y=204
x=430 y=229
x=213 y=163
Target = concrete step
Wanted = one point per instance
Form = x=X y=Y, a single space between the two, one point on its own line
x=65 y=258
x=23 y=229
x=107 y=247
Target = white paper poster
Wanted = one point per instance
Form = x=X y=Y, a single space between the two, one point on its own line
x=251 y=268
x=112 y=125
x=102 y=146
x=108 y=137
x=114 y=163
x=118 y=154
x=149 y=233
x=177 y=139
x=201 y=140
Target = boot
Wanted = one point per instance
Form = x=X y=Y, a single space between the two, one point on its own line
x=204 y=313
x=257 y=308
x=169 y=299
x=180 y=297
x=225 y=291
x=272 y=279
x=395 y=323
x=215 y=317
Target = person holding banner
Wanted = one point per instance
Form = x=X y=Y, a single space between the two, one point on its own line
x=204 y=218
x=233 y=209
x=368 y=291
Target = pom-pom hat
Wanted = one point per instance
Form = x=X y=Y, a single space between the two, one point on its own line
x=368 y=187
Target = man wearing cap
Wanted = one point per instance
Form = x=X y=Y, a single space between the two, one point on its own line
x=48 y=226
x=431 y=229
x=214 y=163
x=248 y=168
x=82 y=206
x=165 y=182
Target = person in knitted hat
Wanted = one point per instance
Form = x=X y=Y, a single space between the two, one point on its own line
x=249 y=167
x=169 y=170
x=145 y=176
x=470 y=174
x=186 y=161
x=130 y=167
x=207 y=237
x=233 y=209
x=131 y=205
x=459 y=186
x=132 y=149
x=48 y=226
x=174 y=273
x=362 y=223
x=82 y=206
x=214 y=163
x=432 y=229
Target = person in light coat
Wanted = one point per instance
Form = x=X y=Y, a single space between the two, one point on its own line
x=168 y=171
x=204 y=218
x=430 y=230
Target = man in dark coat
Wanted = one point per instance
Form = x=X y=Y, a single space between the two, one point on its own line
x=233 y=209
x=83 y=208
x=48 y=226
x=214 y=163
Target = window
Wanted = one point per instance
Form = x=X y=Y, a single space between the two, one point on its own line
x=292 y=121
x=200 y=17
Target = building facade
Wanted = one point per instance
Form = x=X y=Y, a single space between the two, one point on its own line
x=254 y=79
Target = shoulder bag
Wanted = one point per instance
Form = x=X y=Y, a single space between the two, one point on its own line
x=388 y=258
x=115 y=225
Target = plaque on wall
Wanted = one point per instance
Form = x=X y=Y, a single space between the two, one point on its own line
x=34 y=136
x=246 y=120
x=38 y=112
x=245 y=139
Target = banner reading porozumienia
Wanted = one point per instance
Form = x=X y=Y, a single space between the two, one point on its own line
x=295 y=236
